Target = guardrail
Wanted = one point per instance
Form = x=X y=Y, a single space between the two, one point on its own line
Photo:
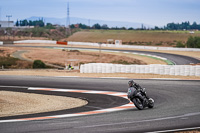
x=36 y=41
x=182 y=70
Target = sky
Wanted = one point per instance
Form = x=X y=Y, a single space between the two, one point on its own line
x=152 y=12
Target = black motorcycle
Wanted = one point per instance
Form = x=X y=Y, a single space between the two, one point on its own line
x=139 y=98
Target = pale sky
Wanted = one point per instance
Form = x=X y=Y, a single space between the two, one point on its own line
x=153 y=12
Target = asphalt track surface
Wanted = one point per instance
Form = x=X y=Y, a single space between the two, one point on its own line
x=176 y=59
x=177 y=106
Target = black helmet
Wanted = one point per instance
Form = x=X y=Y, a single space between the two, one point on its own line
x=131 y=83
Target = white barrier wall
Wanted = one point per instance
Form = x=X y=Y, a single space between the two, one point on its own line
x=36 y=41
x=110 y=45
x=1 y=43
x=183 y=70
x=135 y=47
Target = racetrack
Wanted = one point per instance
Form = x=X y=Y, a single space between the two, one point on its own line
x=176 y=106
x=176 y=59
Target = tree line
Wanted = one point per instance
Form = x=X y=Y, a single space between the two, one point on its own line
x=181 y=26
x=170 y=26
x=25 y=22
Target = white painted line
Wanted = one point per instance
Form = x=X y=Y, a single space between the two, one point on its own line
x=67 y=76
x=166 y=78
x=175 y=130
x=114 y=77
x=13 y=86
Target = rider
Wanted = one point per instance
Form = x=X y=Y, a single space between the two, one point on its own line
x=131 y=83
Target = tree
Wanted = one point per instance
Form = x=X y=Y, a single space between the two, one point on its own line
x=17 y=23
x=157 y=28
x=131 y=28
x=194 y=26
x=30 y=23
x=96 y=26
x=25 y=23
x=83 y=26
x=72 y=26
x=49 y=26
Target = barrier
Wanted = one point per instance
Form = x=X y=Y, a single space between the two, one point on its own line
x=108 y=45
x=1 y=43
x=182 y=70
x=36 y=41
x=62 y=43
x=135 y=47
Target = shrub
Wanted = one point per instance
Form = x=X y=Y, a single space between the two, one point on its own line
x=38 y=64
x=159 y=44
x=179 y=44
x=193 y=42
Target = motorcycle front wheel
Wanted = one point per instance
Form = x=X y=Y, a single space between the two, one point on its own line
x=151 y=103
x=138 y=103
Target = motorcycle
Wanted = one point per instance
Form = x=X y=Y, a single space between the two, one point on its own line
x=139 y=98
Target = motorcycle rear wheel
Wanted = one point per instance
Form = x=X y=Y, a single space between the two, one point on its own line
x=138 y=103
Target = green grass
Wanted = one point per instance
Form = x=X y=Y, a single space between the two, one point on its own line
x=167 y=61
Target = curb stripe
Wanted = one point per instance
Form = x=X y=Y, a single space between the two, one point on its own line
x=36 y=118
x=118 y=94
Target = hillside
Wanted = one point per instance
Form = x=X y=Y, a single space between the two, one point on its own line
x=134 y=37
x=129 y=37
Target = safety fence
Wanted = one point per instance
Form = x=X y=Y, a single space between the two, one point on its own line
x=183 y=70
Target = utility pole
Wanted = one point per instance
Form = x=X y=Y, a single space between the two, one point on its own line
x=68 y=20
x=8 y=16
x=0 y=13
x=89 y=23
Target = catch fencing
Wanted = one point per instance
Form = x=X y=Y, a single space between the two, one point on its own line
x=182 y=70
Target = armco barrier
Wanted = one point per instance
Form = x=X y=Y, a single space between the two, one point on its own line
x=183 y=70
x=36 y=41
x=135 y=47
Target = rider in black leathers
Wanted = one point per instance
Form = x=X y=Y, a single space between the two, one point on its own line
x=131 y=83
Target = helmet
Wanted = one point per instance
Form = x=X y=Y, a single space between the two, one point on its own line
x=131 y=83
